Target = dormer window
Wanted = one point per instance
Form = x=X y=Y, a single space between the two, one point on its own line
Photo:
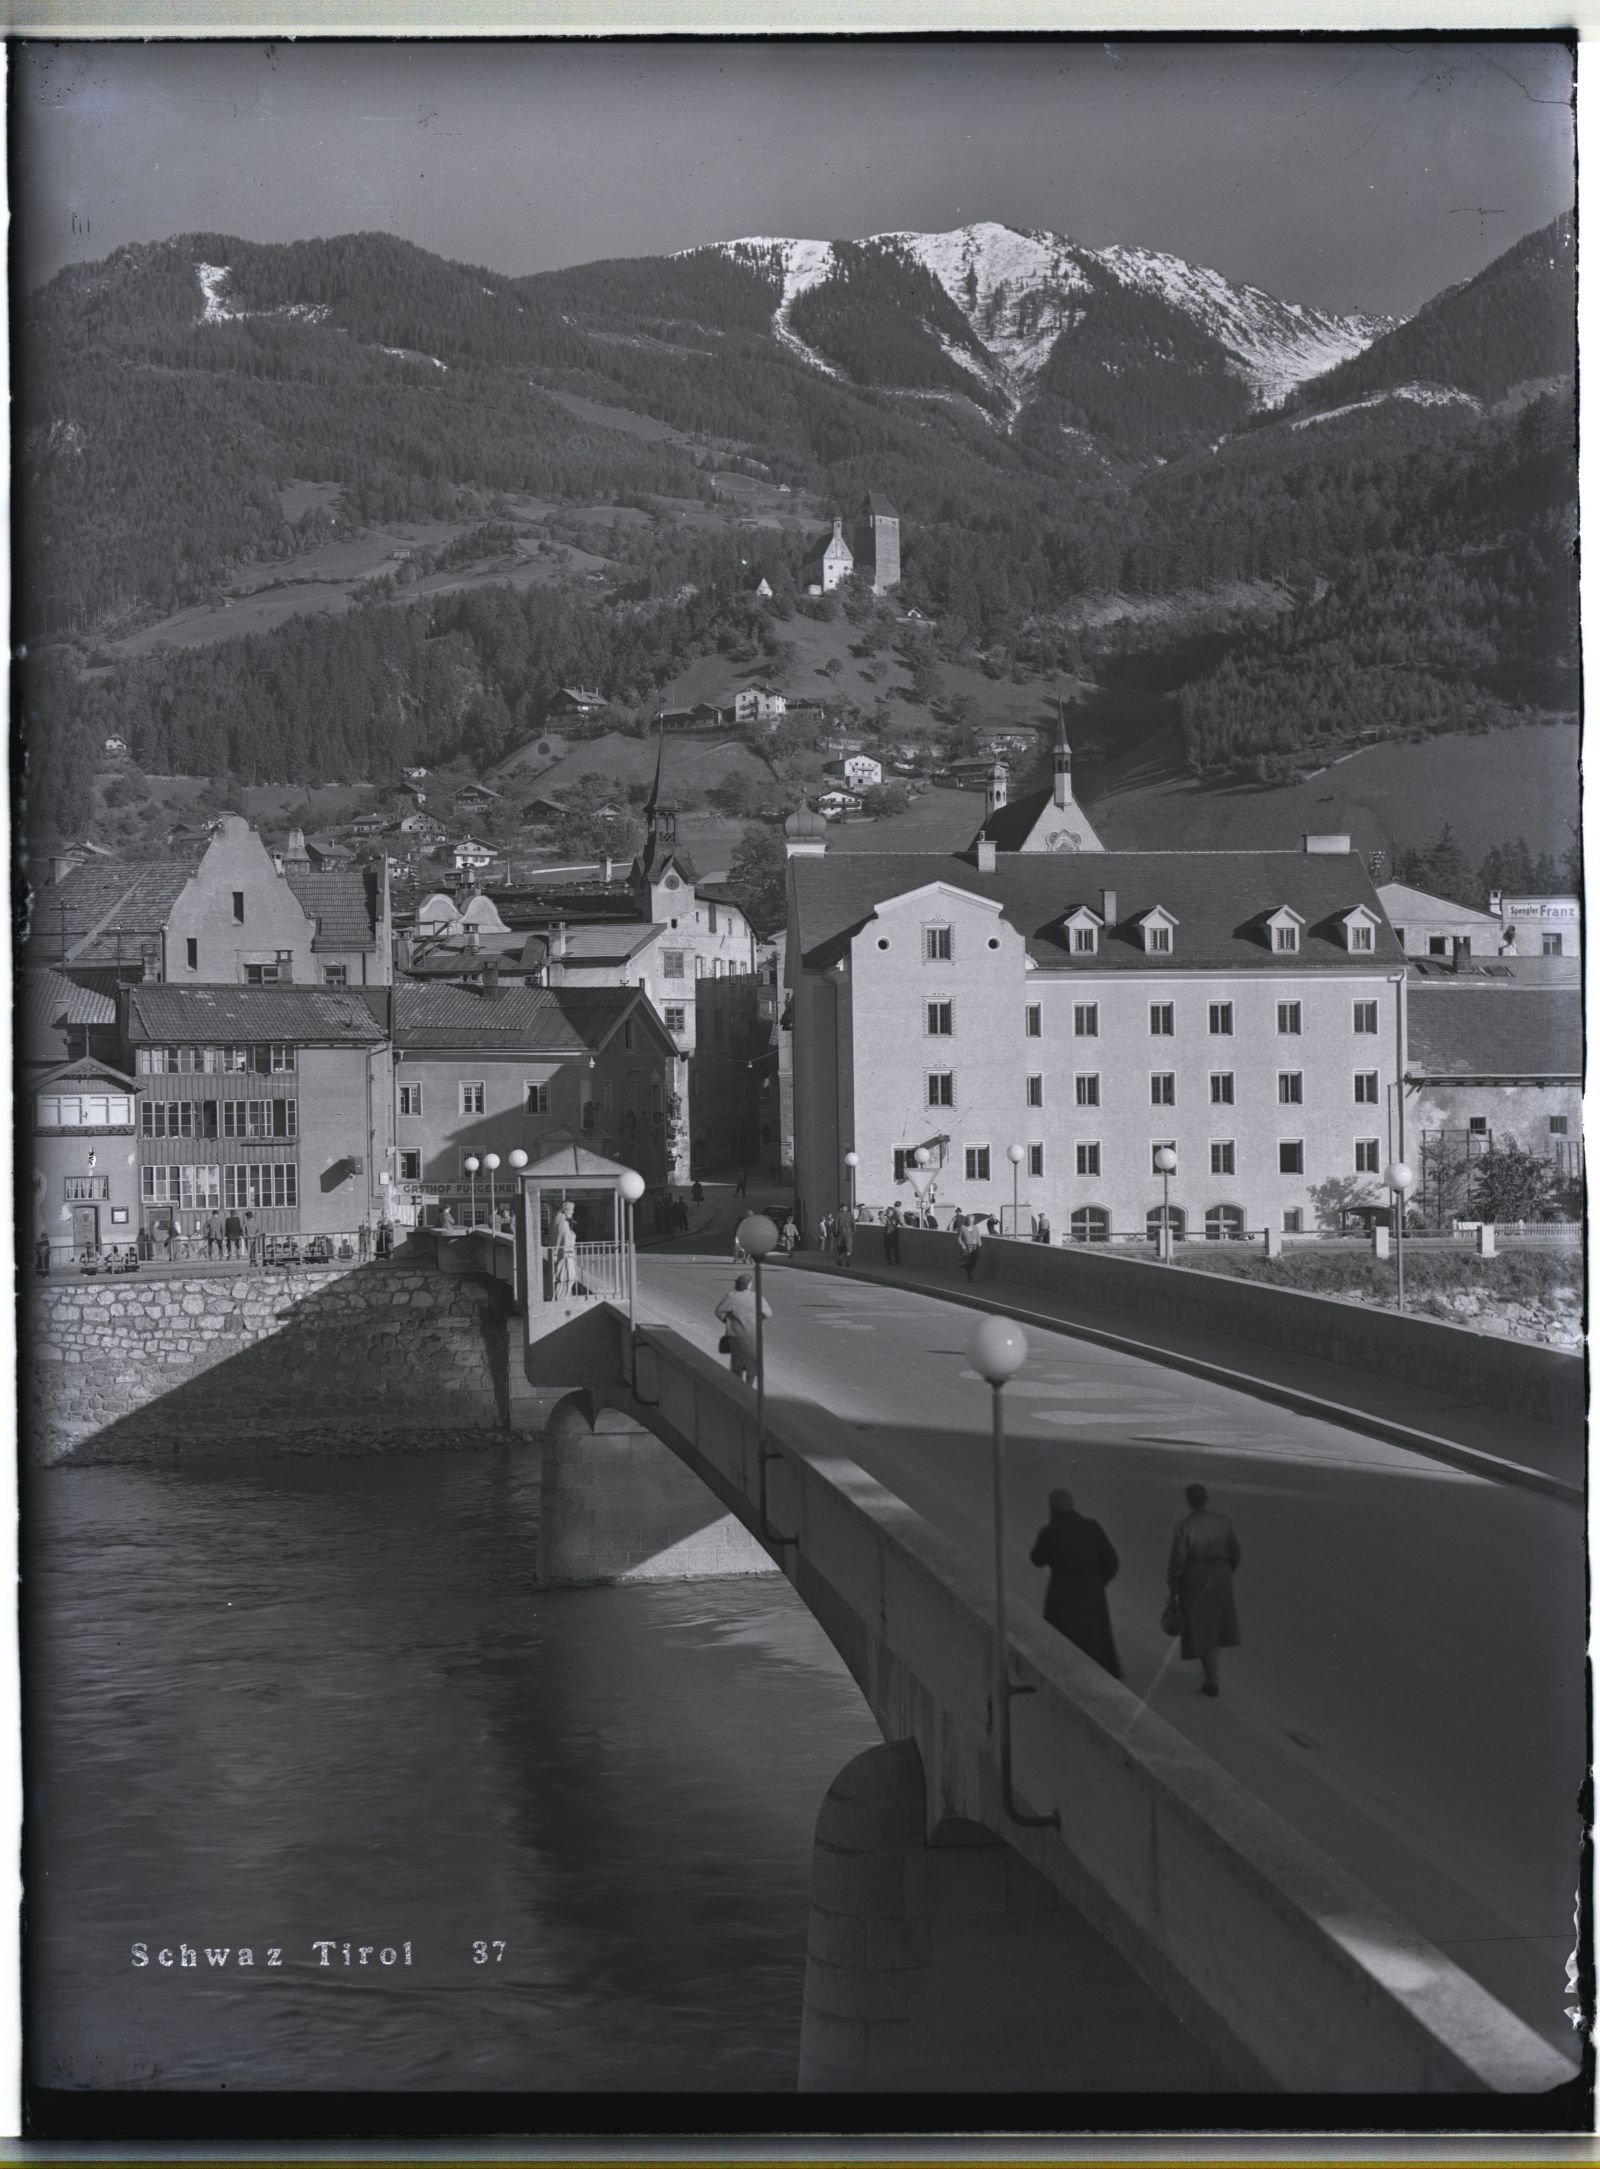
x=1158 y=927
x=1360 y=931
x=1083 y=931
x=1284 y=929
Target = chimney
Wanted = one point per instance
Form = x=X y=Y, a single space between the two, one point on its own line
x=277 y=864
x=492 y=989
x=985 y=855
x=558 y=941
x=1108 y=908
x=1460 y=950
x=470 y=931
x=1494 y=903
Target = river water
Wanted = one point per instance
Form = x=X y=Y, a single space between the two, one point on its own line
x=319 y=1700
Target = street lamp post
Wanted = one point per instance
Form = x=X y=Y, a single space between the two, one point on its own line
x=470 y=1163
x=1166 y=1161
x=1014 y=1155
x=852 y=1160
x=491 y=1161
x=997 y=1350
x=1398 y=1180
x=757 y=1236
x=632 y=1188
x=518 y=1160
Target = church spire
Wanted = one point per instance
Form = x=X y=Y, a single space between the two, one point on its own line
x=1062 y=792
x=654 y=800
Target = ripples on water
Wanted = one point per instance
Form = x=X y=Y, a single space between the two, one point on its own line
x=321 y=1699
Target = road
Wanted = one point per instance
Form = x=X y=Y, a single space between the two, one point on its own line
x=1409 y=1689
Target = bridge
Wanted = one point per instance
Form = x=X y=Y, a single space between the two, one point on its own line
x=1357 y=1871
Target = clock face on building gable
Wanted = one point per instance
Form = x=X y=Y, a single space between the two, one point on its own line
x=1063 y=839
x=672 y=882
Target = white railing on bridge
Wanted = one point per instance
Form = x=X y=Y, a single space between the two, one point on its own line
x=586 y=1273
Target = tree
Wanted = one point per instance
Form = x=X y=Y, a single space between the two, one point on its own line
x=1510 y=1184
x=884 y=800
x=759 y=878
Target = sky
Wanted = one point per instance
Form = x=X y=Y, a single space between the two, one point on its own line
x=1352 y=175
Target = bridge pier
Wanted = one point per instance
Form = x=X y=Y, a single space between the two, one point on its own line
x=616 y=1505
x=952 y=1966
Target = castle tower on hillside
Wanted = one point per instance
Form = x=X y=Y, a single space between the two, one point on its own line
x=877 y=543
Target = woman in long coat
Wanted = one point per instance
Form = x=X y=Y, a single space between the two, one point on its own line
x=1081 y=1560
x=1200 y=1569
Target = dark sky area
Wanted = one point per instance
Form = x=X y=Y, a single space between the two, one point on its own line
x=1349 y=174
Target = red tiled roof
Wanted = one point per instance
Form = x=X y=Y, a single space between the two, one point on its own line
x=340 y=900
x=516 y=1019
x=310 y=1016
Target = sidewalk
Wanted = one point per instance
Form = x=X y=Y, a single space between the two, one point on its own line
x=1486 y=1442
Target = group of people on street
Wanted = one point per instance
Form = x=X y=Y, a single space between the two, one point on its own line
x=1201 y=1562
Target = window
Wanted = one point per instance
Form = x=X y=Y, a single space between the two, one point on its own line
x=711 y=924
x=1289 y=1019
x=1091 y=1224
x=1224 y=1223
x=411 y=1099
x=1438 y=945
x=191 y=950
x=472 y=1097
x=158 y=1185
x=674 y=1016
x=87 y=1189
x=1477 y=1125
x=1290 y=1087
x=259 y=1118
x=1086 y=1090
x=1088 y=1158
x=1033 y=1021
x=238 y=907
x=276 y=1058
x=1366 y=1088
x=1286 y=939
x=941 y=1088
x=672 y=964
x=1160 y=1144
x=411 y=1167
x=902 y=1159
x=941 y=1019
x=536 y=1100
x=1163 y=1088
x=1366 y=1156
x=1086 y=1020
x=977 y=1163
x=1364 y=1016
x=1293 y=1219
x=168 y=1118
x=1291 y=1156
x=938 y=944
x=1035 y=1092
x=1361 y=936
x=335 y=975
x=269 y=1187
x=1222 y=1156
x=1161 y=1020
x=261 y=975
x=1220 y=1019
x=1549 y=944
x=1036 y=1159
x=1083 y=940
x=1558 y=1125
x=1158 y=940
x=1222 y=1088
x=195 y=1189
x=83 y=1111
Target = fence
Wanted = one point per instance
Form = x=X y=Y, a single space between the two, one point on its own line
x=589 y=1272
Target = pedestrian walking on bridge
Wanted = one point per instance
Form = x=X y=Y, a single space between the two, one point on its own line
x=891 y=1236
x=1200 y=1571
x=844 y=1235
x=969 y=1238
x=1082 y=1561
x=737 y=1312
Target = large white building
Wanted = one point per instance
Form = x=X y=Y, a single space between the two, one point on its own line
x=1245 y=1008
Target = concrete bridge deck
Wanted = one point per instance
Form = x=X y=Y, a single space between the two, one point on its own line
x=1409 y=1692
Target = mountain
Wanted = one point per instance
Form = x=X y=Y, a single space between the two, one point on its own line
x=1514 y=325
x=607 y=452
x=1019 y=294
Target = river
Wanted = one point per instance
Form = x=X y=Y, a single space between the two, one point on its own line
x=303 y=1701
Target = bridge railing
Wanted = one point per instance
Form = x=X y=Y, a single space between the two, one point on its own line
x=1287 y=1967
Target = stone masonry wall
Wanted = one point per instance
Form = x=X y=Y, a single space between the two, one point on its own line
x=366 y=1354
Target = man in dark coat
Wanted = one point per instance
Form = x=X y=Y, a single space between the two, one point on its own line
x=1081 y=1561
x=1200 y=1570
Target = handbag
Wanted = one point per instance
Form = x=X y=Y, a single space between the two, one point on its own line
x=1172 y=1617
x=724 y=1346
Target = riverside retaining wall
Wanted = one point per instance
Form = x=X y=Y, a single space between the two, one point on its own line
x=1488 y=1369
x=361 y=1354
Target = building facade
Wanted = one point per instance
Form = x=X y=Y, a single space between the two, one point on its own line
x=492 y=1069
x=1244 y=1008
x=271 y=1101
x=85 y=1162
x=1491 y=1066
